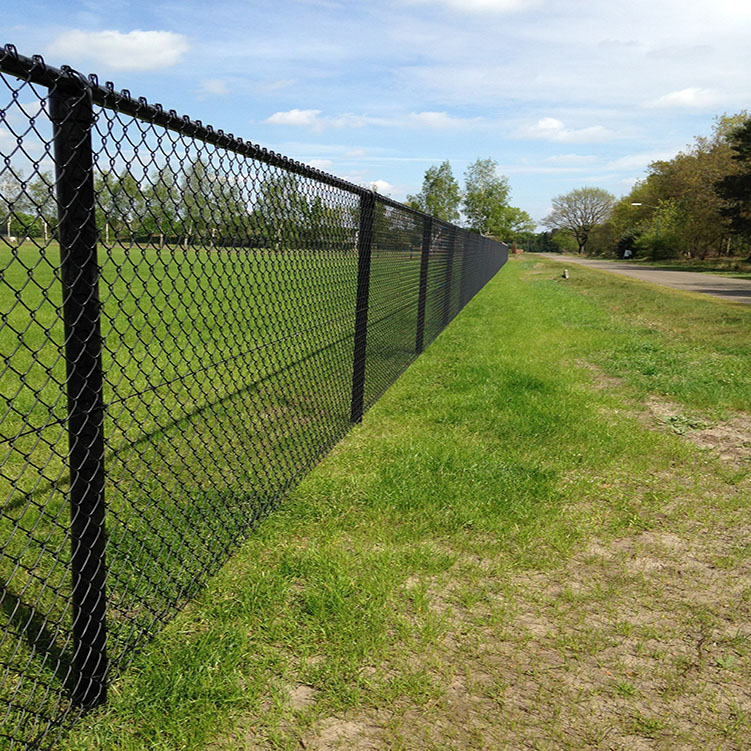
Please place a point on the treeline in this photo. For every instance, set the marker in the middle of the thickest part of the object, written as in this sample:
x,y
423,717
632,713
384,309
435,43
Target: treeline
x,y
203,206
696,205
198,206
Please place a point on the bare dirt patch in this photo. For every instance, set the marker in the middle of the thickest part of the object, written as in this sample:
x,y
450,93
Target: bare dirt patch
x,y
729,440
600,379
335,733
302,696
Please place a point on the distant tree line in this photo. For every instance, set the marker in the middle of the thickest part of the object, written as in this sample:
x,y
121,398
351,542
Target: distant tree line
x,y
696,205
198,206
202,206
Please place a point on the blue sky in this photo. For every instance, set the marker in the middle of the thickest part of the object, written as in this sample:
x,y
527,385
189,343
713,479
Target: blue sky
x,y
561,93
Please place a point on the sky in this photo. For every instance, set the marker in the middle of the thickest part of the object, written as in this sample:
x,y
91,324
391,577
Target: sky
x,y
561,93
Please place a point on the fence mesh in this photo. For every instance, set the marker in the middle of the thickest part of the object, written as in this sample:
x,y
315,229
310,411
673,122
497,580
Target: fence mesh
x,y
188,323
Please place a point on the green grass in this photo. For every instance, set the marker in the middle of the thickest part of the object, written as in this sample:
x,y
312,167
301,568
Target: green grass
x,y
227,374
493,446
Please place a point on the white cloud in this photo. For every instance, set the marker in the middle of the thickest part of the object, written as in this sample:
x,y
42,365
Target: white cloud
x,y
294,117
571,159
136,50
213,87
551,129
382,187
439,120
7,140
271,86
322,164
692,98
640,160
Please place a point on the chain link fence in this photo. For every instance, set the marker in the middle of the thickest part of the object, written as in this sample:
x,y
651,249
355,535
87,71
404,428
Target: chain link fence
x,y
188,323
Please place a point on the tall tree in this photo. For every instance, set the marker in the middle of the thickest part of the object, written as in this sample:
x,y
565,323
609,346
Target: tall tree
x,y
514,224
162,205
440,194
486,196
735,189
282,214
579,212
42,203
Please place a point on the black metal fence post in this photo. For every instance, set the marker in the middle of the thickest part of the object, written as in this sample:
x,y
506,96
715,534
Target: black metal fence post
x,y
427,236
72,118
449,270
364,243
468,254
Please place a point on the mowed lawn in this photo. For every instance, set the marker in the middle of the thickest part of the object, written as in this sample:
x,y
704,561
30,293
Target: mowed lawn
x,y
227,374
538,538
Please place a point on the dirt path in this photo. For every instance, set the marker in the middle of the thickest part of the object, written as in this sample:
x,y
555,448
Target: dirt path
x,y
729,288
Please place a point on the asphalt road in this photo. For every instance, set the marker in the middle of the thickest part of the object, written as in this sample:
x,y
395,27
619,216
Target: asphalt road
x,y
727,287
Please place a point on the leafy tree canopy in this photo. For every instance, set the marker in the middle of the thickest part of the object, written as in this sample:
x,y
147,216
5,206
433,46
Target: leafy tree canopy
x,y
735,189
486,195
579,212
440,194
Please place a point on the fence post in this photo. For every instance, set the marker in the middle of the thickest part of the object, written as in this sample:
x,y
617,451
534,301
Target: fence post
x,y
72,118
427,236
364,242
467,261
449,269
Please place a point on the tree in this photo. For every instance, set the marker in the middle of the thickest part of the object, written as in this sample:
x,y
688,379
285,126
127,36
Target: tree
x,y
282,214
28,207
486,197
162,205
513,224
579,212
679,195
735,189
440,194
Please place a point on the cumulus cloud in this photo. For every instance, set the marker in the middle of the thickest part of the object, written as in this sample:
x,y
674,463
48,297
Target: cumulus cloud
x,y
382,187
551,129
136,50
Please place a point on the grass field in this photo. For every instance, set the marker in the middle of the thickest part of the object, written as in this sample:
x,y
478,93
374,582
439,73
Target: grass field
x,y
530,542
227,375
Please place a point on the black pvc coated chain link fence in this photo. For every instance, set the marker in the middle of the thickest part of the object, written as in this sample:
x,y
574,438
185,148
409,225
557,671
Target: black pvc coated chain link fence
x,y
188,323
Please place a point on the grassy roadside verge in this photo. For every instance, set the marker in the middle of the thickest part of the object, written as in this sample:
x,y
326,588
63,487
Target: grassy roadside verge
x,y
417,590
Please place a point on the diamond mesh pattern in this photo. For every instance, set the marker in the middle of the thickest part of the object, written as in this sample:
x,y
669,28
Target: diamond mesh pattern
x,y
188,324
